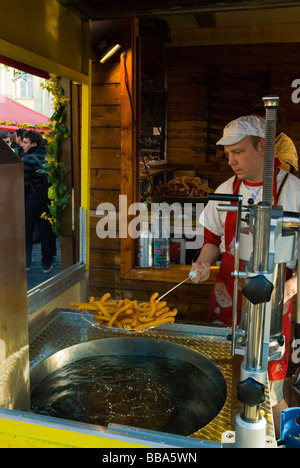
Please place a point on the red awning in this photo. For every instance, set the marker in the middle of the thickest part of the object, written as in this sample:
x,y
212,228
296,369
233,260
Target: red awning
x,y
25,68
14,115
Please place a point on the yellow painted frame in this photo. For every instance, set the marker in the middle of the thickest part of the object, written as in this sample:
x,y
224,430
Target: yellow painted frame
x,y
85,155
19,434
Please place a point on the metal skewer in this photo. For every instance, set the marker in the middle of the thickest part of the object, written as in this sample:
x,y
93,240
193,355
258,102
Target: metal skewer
x,y
192,275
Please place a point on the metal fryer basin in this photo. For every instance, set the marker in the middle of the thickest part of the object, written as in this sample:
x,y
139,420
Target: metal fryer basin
x,y
190,414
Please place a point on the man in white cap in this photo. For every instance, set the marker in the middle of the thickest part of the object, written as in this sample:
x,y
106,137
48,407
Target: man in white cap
x,y
244,144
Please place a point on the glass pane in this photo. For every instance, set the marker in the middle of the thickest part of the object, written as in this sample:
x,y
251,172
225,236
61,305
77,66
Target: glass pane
x,y
34,98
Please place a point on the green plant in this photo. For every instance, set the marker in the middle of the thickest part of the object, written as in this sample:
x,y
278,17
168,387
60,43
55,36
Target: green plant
x,y
58,192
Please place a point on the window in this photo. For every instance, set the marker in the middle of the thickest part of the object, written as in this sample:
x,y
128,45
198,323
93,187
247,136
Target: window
x,y
26,85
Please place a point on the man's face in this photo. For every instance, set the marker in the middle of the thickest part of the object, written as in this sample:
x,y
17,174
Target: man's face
x,y
7,141
246,161
26,144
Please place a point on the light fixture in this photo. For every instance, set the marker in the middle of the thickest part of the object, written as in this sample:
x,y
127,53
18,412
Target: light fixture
x,y
106,48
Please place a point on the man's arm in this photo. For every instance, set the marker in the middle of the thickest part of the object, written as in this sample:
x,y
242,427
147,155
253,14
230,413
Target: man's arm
x,y
290,288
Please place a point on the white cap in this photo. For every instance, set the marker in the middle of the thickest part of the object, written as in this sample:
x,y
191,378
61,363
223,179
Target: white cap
x,y
242,127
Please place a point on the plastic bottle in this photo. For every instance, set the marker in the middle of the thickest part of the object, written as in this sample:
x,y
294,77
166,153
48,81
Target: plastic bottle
x,y
161,241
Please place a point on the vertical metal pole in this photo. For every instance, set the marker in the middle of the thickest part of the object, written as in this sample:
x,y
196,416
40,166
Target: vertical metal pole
x,y
236,274
259,265
255,337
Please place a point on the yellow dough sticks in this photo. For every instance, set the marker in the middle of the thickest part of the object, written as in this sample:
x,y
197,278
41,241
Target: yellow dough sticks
x,y
128,314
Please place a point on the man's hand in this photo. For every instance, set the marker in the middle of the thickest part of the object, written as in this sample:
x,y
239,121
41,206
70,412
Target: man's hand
x,y
290,288
203,271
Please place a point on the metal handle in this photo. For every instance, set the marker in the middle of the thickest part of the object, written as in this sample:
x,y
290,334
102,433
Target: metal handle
x,y
224,197
236,273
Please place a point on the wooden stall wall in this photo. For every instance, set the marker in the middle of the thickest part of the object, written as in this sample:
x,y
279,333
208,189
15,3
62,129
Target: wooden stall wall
x,y
209,86
105,160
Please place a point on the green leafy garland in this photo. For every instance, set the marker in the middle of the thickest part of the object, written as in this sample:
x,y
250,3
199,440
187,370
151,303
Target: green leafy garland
x,y
58,192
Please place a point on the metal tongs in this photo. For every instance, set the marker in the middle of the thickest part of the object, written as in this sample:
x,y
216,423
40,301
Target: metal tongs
x,y
192,275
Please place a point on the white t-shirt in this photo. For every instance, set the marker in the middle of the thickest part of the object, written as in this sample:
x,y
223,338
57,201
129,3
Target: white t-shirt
x,y
214,220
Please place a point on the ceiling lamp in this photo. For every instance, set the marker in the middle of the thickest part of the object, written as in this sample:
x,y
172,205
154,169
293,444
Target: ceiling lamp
x,y
106,48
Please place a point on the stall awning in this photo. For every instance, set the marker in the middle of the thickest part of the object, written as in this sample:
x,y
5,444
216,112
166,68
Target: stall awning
x,y
14,115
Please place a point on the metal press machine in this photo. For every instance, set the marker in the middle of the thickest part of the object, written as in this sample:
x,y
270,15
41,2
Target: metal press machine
x,y
266,246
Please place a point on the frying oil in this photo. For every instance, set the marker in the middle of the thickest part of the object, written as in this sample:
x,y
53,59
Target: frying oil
x,y
154,393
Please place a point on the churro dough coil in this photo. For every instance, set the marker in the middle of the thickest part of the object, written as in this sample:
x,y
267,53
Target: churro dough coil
x,y
184,186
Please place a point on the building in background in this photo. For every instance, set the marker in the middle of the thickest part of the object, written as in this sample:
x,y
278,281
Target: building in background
x,y
25,89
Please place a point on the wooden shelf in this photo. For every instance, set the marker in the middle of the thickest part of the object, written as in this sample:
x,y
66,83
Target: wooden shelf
x,y
147,150
155,172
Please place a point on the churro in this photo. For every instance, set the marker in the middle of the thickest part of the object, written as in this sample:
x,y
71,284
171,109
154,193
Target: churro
x,y
184,186
128,314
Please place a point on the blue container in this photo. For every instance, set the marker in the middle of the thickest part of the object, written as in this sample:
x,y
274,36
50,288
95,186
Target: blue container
x,y
290,427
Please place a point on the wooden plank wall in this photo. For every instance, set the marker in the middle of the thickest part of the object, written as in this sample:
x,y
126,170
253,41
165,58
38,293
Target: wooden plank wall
x,y
105,158
209,86
238,76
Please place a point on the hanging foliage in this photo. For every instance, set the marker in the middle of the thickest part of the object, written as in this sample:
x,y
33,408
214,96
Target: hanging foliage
x,y
58,192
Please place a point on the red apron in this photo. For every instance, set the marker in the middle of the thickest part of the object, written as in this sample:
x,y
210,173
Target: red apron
x,y
277,369
221,299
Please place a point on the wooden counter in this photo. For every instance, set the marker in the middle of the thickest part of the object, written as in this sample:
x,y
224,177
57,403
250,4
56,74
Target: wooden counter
x,y
172,274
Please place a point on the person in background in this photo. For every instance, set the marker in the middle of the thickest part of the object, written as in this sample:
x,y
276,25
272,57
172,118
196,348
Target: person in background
x,y
36,199
6,136
285,150
17,145
244,144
